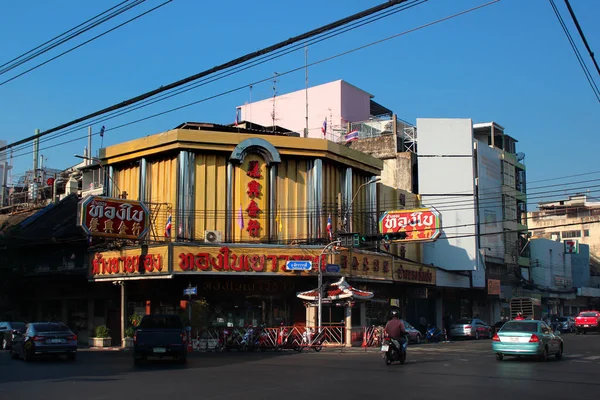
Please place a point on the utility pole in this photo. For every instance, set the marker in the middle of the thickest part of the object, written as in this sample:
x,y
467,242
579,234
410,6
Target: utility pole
x,y
320,299
306,91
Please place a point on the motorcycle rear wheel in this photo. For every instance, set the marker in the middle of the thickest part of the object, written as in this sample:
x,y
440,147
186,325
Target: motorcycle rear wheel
x,y
388,360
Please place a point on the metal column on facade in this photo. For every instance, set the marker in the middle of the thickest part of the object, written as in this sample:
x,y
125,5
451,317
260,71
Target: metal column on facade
x,y
346,197
143,186
273,201
229,206
186,194
109,181
372,207
317,198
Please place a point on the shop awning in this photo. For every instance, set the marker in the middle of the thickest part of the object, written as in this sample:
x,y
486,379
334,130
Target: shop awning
x,y
336,291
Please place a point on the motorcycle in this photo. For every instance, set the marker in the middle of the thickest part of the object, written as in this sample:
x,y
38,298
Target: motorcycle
x,y
433,334
391,353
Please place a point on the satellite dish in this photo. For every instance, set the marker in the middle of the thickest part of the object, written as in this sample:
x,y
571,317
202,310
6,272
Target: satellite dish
x,y
520,156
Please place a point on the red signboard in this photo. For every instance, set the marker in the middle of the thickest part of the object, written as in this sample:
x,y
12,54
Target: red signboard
x,y
420,225
110,217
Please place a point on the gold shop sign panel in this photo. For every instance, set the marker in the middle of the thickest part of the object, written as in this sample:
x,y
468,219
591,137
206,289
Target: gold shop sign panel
x,y
139,262
365,265
232,260
412,273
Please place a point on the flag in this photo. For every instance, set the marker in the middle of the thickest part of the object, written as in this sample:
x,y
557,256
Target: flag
x,y
102,131
240,218
236,119
168,227
351,136
324,127
386,245
329,227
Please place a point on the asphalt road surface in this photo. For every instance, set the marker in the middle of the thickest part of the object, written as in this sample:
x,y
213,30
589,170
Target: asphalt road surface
x,y
458,370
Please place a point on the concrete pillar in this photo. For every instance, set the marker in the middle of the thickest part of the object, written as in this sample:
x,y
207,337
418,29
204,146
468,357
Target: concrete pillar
x,y
90,316
348,322
123,310
64,312
311,316
363,314
439,311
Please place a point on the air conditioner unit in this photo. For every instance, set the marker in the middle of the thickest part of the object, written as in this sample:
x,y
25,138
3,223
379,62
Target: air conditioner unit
x,y
213,236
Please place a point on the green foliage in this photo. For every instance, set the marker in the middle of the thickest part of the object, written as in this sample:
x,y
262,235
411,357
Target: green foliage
x,y
129,332
135,320
200,314
102,331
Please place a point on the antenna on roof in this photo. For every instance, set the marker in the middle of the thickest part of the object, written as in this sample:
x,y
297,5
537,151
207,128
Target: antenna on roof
x,y
520,156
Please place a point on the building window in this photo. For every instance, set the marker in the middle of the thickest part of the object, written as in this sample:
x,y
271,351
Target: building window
x,y
586,232
571,234
554,235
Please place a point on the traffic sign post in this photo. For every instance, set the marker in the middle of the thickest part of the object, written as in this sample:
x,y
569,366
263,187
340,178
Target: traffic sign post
x,y
298,265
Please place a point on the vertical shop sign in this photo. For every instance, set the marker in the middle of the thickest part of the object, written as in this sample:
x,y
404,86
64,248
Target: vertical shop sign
x,y
254,192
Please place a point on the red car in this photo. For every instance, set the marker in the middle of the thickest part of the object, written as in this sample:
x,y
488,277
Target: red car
x,y
587,321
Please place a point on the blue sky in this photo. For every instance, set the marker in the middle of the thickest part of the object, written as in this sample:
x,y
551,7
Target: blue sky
x,y
509,62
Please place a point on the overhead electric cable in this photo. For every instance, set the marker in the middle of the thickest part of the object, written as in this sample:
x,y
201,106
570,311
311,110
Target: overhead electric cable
x,y
232,71
585,42
584,67
301,68
23,58
210,71
78,46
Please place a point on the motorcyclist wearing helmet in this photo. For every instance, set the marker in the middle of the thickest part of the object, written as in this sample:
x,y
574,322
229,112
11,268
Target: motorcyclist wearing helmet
x,y
395,330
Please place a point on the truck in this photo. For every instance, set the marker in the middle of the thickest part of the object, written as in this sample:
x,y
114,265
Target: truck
x,y
160,336
587,321
529,307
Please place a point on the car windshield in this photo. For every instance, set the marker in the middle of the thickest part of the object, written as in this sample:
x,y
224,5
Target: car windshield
x,y
587,314
161,322
17,325
520,327
407,325
462,321
50,327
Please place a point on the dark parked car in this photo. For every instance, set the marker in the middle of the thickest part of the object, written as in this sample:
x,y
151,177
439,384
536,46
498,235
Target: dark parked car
x,y
497,326
6,332
44,339
160,336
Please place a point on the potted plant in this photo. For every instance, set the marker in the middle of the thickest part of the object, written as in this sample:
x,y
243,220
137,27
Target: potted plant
x,y
101,338
128,339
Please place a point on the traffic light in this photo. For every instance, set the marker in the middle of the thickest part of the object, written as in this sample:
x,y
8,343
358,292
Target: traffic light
x,y
394,236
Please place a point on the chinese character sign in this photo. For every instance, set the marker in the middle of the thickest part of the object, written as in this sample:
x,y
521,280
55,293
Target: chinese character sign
x,y
419,225
252,196
110,217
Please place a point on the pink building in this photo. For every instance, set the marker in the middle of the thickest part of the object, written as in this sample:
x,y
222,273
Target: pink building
x,y
337,103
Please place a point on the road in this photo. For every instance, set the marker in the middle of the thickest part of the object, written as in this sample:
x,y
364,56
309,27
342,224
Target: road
x,y
465,370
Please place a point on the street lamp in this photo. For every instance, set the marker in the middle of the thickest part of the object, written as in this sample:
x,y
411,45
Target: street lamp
x,y
348,223
320,301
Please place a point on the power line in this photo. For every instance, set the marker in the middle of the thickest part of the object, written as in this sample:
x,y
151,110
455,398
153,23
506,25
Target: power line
x,y
76,47
41,49
234,70
587,46
250,84
584,67
210,71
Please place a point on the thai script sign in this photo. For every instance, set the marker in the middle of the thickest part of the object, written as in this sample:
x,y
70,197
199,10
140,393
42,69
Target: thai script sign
x,y
110,217
493,287
420,225
132,262
413,273
216,260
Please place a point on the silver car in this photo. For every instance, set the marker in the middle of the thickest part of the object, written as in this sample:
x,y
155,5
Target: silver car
x,y
413,334
44,339
470,328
